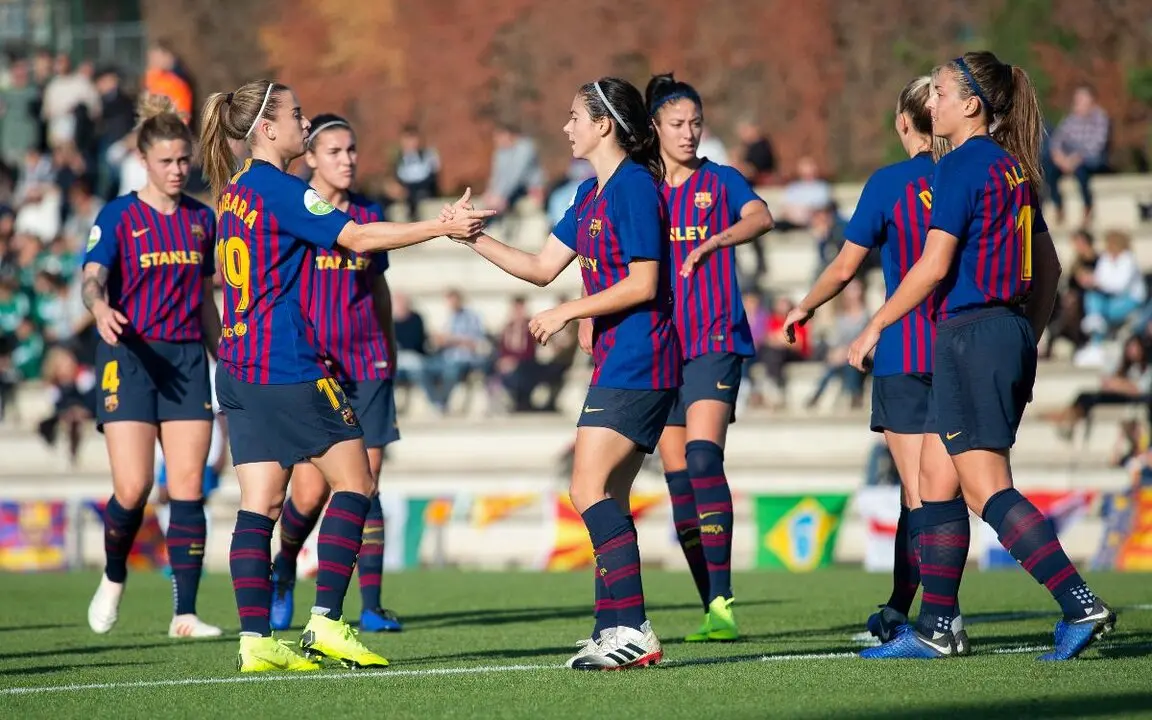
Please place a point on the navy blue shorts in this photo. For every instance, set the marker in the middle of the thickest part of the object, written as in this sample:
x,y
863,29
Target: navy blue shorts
x,y
639,415
985,367
712,376
900,403
374,402
287,424
152,382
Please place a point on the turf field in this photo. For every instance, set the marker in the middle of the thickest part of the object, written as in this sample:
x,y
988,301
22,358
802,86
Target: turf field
x,y
491,645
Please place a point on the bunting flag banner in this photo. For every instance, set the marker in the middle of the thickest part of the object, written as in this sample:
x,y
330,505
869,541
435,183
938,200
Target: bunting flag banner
x,y
571,548
149,552
1063,508
879,508
1135,554
797,532
32,536
494,508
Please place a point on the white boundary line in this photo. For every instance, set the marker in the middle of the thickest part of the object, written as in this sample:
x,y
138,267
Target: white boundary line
x,y
431,672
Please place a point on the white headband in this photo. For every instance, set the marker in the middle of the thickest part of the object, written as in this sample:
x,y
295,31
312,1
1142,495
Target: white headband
x,y
324,126
263,105
604,99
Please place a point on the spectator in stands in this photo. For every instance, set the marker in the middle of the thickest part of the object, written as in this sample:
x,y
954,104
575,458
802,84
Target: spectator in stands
x,y
461,349
850,319
755,157
84,206
125,159
803,197
417,170
411,342
163,78
712,147
1112,294
1129,384
564,347
1079,148
37,199
516,369
828,232
777,353
19,121
758,323
1069,316
28,352
73,389
516,171
67,90
564,194
117,118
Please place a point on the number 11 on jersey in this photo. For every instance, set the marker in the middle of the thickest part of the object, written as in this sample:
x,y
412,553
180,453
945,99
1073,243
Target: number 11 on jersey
x,y
1024,228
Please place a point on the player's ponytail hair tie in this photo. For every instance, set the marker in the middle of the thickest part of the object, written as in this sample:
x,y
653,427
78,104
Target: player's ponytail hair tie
x,y
615,115
263,106
228,98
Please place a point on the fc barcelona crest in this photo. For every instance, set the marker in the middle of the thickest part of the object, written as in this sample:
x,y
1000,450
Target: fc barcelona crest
x,y
198,232
348,416
594,227
703,200
111,402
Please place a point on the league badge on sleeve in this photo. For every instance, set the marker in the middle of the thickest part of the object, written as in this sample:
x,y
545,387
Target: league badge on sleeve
x,y
94,237
316,204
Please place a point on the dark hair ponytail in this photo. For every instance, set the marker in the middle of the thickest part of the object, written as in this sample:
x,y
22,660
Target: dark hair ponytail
x,y
619,101
663,89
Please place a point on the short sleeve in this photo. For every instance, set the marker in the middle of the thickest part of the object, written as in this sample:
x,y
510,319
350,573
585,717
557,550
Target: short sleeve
x,y
953,197
866,228
737,189
302,213
208,254
636,218
103,246
565,230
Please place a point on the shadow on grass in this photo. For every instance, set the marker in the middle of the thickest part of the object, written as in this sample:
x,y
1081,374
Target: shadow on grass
x,y
97,649
1111,704
57,626
505,616
49,669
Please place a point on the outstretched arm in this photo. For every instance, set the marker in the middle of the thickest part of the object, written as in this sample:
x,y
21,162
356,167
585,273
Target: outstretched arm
x,y
755,220
383,236
537,268
830,284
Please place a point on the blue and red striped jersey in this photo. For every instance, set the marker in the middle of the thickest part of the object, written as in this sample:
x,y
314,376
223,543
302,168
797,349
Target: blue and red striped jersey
x,y
981,196
270,223
892,214
156,264
636,349
709,307
338,291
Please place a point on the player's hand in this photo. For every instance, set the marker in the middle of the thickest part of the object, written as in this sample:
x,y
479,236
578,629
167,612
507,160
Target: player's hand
x,y
795,318
697,256
109,322
462,220
584,335
547,323
860,351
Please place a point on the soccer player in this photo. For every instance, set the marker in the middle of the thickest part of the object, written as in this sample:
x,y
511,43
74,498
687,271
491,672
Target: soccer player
x,y
282,405
148,283
994,267
616,228
712,209
893,215
350,308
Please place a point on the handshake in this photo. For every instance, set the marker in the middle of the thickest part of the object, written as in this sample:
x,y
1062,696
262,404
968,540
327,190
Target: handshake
x,y
464,223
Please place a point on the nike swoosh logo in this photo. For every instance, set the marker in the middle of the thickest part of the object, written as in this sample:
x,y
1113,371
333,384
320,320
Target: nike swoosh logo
x,y
592,410
945,649
709,514
952,436
207,406
138,233
721,386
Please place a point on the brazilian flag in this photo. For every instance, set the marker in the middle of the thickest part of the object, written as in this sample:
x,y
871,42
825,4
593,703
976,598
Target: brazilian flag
x,y
797,532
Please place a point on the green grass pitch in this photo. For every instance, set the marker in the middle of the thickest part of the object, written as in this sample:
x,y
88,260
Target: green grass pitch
x,y
492,645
